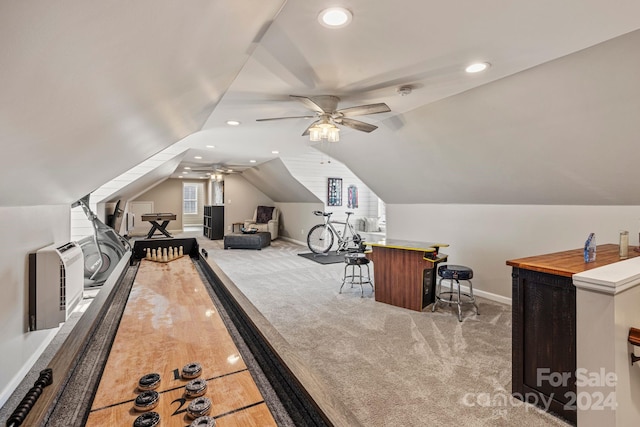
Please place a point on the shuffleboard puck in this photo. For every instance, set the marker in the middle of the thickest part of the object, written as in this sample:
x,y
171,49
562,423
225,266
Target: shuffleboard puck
x,y
149,382
203,422
149,419
195,388
191,370
199,407
146,401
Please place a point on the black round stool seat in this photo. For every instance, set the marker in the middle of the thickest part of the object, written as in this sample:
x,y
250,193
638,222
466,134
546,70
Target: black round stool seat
x,y
356,258
455,272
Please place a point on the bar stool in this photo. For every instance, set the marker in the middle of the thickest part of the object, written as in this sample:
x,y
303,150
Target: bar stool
x,y
455,273
354,260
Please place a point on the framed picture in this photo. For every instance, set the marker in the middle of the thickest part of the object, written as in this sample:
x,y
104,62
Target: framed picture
x,y
334,191
352,197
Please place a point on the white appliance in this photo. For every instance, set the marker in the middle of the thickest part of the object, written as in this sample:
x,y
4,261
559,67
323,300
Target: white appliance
x,y
56,284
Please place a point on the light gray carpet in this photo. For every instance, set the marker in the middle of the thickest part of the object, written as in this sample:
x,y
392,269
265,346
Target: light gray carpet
x,y
390,366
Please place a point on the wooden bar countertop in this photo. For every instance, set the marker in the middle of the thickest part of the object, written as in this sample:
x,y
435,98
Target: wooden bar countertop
x,y
568,263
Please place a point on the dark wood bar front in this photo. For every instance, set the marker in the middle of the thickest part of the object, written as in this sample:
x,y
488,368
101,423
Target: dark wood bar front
x,y
404,272
544,325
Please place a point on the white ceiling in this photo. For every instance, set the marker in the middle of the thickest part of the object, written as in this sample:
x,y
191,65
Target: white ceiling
x,y
112,84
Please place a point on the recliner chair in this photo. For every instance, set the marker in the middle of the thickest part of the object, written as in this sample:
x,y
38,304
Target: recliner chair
x,y
265,218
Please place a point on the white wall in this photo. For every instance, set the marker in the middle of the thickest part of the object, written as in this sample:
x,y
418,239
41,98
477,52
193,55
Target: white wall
x,y
23,230
240,200
312,170
297,219
484,237
607,301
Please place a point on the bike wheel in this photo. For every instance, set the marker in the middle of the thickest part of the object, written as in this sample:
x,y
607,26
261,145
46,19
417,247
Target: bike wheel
x,y
320,239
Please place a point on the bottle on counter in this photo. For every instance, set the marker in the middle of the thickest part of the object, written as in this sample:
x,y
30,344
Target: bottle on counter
x,y
590,248
624,244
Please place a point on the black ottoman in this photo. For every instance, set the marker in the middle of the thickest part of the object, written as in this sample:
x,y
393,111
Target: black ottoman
x,y
257,240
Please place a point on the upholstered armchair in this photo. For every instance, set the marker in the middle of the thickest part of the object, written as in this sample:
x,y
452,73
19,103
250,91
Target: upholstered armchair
x,y
265,218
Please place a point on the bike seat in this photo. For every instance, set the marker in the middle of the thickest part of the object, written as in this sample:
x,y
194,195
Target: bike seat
x,y
349,213
320,213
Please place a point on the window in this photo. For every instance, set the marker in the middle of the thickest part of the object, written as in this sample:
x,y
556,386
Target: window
x,y
190,199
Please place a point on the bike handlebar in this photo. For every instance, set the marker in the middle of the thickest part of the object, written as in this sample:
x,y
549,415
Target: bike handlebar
x,y
320,213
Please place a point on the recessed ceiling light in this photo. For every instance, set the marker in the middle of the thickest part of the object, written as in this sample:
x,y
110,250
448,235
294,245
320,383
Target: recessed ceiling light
x,y
275,152
335,17
477,67
187,167
179,176
186,173
252,161
211,146
233,122
197,157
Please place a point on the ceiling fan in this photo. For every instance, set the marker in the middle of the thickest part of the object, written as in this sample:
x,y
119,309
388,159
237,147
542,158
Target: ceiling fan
x,y
328,116
219,169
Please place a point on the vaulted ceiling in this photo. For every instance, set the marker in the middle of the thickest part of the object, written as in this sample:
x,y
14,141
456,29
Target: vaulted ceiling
x,y
91,89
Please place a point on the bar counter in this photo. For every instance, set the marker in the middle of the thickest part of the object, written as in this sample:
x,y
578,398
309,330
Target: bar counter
x,y
544,324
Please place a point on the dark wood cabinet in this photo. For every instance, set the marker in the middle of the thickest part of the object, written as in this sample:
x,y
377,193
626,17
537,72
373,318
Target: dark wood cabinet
x,y
544,326
544,340
213,226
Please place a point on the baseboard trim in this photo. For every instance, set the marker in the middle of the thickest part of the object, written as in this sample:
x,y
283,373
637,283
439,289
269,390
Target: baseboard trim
x,y
289,239
483,294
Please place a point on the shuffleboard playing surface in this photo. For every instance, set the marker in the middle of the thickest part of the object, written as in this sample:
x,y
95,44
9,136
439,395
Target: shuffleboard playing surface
x,y
170,321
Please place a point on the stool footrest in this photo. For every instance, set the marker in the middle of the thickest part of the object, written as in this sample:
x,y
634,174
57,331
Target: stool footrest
x,y
454,274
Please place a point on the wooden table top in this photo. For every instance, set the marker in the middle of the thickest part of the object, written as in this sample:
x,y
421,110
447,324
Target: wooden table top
x,y
568,263
160,216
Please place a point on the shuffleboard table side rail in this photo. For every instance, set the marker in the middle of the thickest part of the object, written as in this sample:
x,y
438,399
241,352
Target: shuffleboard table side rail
x,y
305,397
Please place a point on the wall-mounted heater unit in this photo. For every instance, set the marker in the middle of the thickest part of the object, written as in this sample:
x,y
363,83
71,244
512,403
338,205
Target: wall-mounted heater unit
x,y
56,284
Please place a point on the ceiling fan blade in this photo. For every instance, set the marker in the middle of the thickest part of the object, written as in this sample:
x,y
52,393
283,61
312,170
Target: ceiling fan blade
x,y
306,131
283,118
362,110
308,103
358,125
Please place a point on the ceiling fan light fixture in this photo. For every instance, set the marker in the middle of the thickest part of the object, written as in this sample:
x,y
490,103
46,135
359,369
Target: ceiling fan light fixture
x,y
335,17
333,134
314,134
325,130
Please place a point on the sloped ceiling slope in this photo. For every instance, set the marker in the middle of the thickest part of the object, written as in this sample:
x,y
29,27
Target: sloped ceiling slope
x,y
565,132
274,179
90,89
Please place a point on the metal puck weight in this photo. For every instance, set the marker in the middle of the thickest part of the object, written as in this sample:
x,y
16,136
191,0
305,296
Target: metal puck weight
x,y
205,421
191,370
149,382
199,407
195,388
149,419
146,401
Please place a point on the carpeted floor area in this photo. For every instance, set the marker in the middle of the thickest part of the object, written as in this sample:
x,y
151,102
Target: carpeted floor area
x,y
390,366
